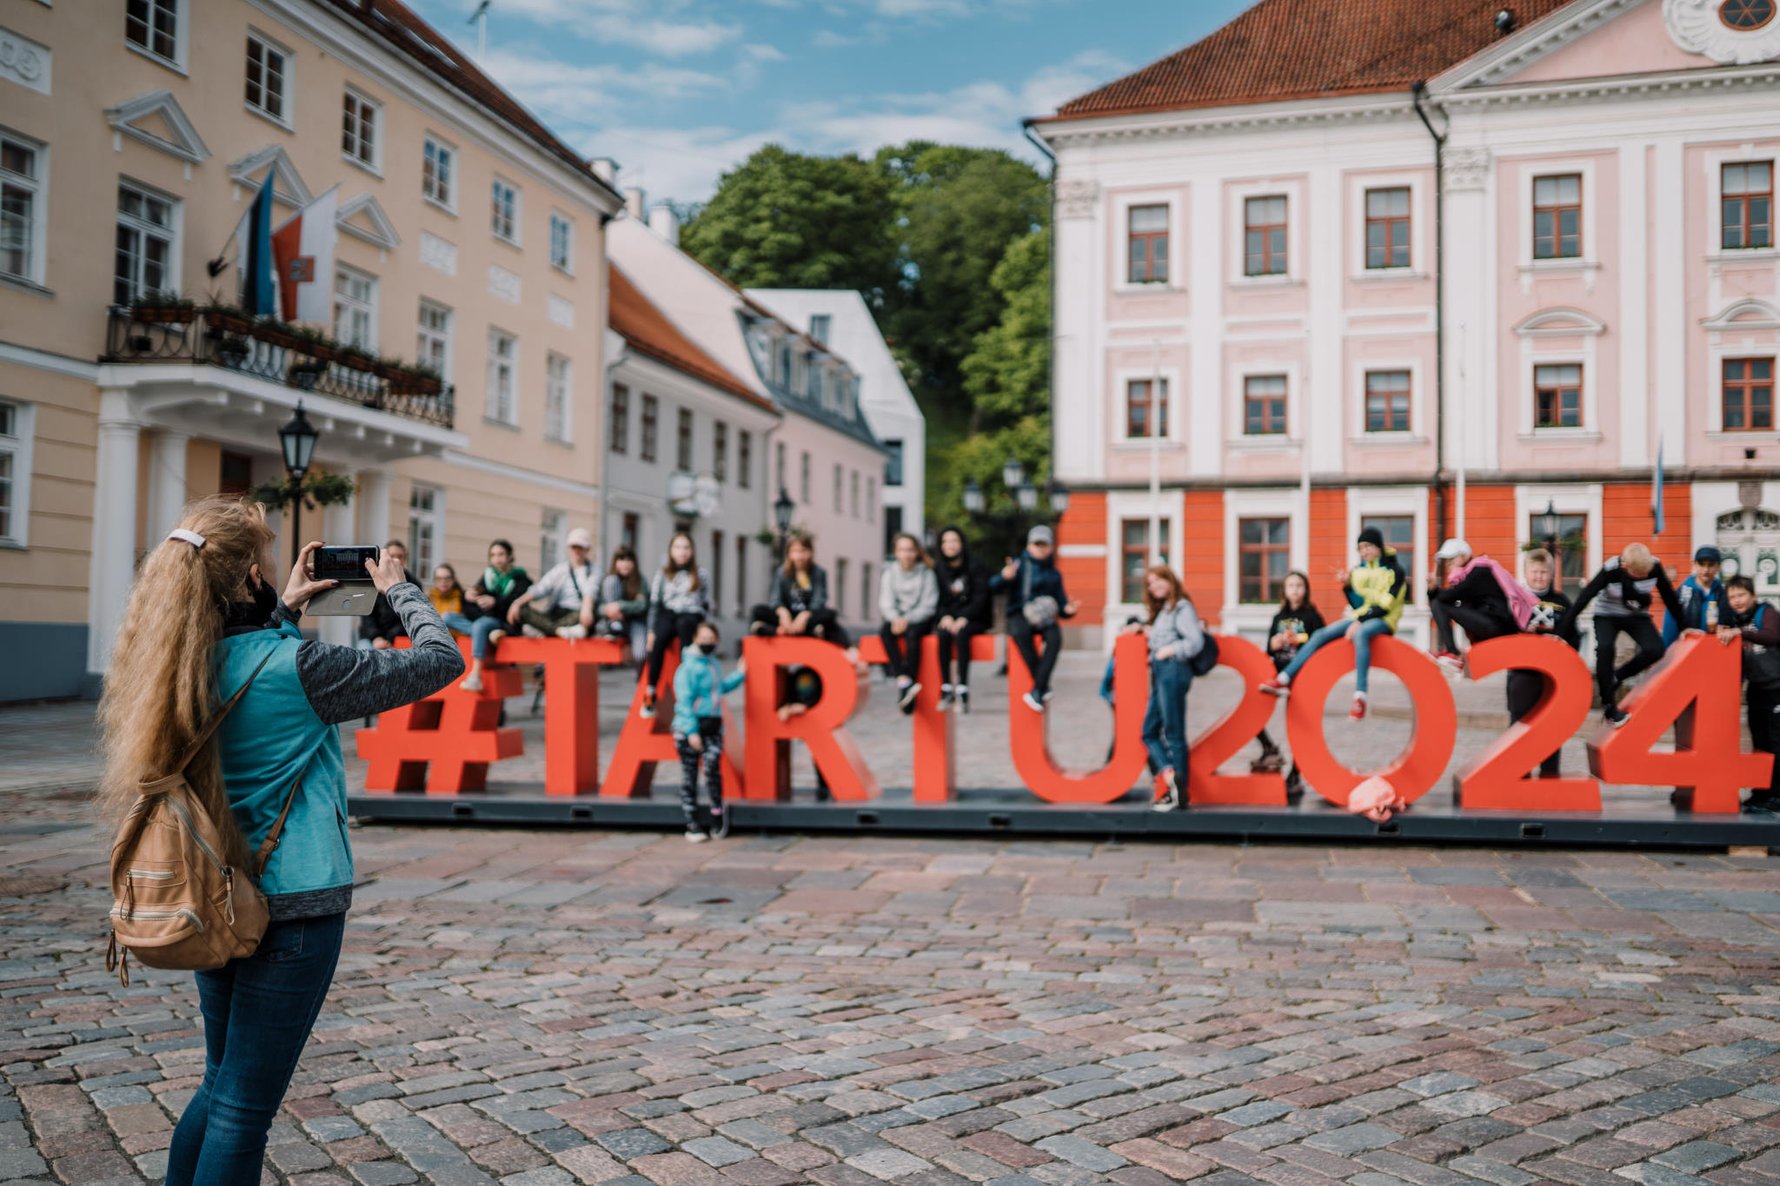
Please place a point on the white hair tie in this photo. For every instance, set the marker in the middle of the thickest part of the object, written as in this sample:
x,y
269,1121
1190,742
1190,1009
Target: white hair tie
x,y
184,536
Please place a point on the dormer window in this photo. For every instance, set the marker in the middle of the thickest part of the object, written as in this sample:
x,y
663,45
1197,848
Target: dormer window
x,y
814,369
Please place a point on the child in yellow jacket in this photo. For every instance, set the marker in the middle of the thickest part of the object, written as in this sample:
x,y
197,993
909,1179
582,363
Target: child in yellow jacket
x,y
1375,589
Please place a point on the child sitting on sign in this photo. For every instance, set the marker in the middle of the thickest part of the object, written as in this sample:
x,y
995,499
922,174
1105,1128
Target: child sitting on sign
x,y
699,688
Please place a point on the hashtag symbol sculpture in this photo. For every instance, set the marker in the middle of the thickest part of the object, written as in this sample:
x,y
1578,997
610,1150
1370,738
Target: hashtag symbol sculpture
x,y
445,743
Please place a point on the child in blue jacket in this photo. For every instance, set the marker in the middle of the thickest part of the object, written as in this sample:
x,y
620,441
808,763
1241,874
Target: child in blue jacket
x,y
699,688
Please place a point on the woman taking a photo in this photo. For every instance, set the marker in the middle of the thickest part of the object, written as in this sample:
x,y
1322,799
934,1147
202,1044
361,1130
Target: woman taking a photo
x,y
499,586
679,599
203,623
1175,637
963,614
908,597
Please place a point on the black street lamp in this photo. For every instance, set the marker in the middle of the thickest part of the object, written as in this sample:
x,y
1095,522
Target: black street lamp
x,y
973,497
297,439
1547,527
783,509
1012,473
1059,498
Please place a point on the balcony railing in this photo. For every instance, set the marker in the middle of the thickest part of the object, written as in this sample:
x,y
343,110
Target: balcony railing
x,y
273,351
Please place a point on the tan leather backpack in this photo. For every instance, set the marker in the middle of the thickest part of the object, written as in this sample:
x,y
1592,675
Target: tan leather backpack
x,y
177,904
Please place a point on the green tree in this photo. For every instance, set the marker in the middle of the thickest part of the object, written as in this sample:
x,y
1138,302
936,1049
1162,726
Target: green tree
x,y
1007,374
789,220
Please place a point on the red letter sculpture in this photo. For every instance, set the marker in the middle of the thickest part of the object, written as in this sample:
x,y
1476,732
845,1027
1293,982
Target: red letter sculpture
x,y
571,705
1498,779
1218,744
823,728
935,771
1026,731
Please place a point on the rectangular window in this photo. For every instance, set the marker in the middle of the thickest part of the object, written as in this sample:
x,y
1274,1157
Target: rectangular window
x,y
1149,244
1747,205
720,451
1748,394
1557,217
1134,554
268,70
853,493
619,432
1387,401
803,482
838,506
865,588
15,473
438,173
744,459
1264,405
683,441
551,529
234,472
355,308
630,529
893,463
840,582
153,27
1146,408
741,574
892,529
813,378
779,465
503,212
1557,396
21,208
503,361
562,243
433,347
717,571
424,534
819,324
651,427
1569,547
1399,537
1264,556
145,244
558,385
871,499
1264,236
359,137
1387,228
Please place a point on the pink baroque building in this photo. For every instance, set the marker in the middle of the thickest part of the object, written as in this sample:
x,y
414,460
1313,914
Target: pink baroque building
x,y
1498,270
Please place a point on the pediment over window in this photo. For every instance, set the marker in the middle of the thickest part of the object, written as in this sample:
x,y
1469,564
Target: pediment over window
x,y
1748,313
363,218
287,185
157,120
1560,323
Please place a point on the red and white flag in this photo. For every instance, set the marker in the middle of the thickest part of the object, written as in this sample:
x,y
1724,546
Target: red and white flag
x,y
304,251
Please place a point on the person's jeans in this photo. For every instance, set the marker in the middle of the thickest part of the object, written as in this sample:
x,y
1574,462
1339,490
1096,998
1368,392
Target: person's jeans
x,y
459,623
548,621
669,628
1021,634
1334,632
1525,687
480,629
258,1012
1165,722
904,650
955,649
1607,632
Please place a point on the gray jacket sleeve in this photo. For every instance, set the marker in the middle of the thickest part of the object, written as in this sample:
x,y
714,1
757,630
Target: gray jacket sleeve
x,y
343,683
927,603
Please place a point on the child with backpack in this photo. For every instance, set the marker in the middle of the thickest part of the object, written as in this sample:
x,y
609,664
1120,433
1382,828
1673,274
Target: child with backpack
x,y
699,688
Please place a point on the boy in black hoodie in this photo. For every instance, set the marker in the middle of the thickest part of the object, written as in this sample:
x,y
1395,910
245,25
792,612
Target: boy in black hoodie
x,y
1526,686
963,614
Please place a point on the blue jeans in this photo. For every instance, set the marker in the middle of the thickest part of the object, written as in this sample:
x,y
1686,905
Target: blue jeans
x,y
258,1013
459,623
480,629
1165,723
1334,632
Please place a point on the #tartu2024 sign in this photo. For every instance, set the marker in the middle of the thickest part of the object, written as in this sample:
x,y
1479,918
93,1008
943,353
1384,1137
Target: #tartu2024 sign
x,y
445,745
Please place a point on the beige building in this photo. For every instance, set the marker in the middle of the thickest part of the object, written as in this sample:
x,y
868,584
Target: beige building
x,y
133,138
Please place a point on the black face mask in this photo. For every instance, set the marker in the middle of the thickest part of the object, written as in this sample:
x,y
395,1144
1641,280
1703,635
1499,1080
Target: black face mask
x,y
257,612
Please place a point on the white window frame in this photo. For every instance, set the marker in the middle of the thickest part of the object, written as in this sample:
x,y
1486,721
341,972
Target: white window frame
x,y
374,165
287,79
1238,413
181,39
518,212
1294,189
1122,380
559,388
434,518
1176,198
492,402
1398,502
1280,503
38,187
562,222
1718,348
1357,185
1574,498
17,445
353,304
447,151
1135,504
175,230
442,336
1715,160
1530,169
553,528
1358,368
1534,333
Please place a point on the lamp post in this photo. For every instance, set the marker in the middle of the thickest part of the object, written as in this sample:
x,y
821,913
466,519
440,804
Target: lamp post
x,y
297,440
1548,527
1025,494
783,509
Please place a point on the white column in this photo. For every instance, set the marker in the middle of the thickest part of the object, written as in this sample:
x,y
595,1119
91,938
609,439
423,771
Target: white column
x,y
1668,320
1322,418
373,506
1471,423
114,526
1635,235
1204,393
166,481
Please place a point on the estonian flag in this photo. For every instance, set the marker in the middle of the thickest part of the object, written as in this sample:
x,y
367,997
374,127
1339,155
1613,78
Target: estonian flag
x,y
253,251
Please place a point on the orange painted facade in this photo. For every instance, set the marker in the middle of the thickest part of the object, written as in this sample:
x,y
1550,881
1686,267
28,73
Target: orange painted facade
x,y
1202,539
1330,550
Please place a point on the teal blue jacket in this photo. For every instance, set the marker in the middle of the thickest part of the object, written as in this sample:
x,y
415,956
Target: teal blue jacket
x,y
699,687
286,730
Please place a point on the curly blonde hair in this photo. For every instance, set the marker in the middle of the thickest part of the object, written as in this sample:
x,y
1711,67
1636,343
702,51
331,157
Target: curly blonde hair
x,y
161,686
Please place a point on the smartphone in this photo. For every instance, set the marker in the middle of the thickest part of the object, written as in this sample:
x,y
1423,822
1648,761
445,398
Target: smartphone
x,y
343,563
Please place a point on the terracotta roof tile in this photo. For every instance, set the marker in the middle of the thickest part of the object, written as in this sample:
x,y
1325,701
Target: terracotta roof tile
x,y
1302,49
402,29
649,332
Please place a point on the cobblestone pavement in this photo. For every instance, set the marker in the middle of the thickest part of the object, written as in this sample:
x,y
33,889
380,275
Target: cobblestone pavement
x,y
536,1008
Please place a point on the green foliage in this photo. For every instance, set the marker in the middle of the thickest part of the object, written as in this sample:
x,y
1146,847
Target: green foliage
x,y
1007,374
980,456
787,220
318,490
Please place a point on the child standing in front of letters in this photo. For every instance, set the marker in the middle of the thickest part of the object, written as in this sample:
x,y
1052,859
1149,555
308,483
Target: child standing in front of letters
x,y
699,688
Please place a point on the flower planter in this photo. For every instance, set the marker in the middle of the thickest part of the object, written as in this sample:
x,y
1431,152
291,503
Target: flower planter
x,y
161,314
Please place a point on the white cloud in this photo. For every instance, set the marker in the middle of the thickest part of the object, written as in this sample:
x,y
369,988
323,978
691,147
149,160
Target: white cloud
x,y
564,94
678,163
624,22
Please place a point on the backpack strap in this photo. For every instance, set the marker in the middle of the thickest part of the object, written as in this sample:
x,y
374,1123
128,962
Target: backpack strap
x,y
270,844
210,726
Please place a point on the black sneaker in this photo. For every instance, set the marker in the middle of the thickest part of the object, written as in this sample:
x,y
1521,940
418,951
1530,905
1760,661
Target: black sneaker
x,y
945,697
906,699
1032,702
1614,715
720,820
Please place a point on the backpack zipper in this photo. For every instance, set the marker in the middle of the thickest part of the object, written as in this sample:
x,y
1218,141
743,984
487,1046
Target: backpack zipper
x,y
186,819
134,915
151,874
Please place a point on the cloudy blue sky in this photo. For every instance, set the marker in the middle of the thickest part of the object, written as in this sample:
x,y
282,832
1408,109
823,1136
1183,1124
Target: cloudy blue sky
x,y
680,90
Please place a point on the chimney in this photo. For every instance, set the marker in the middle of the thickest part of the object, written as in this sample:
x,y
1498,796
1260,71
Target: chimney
x,y
604,168
664,222
634,204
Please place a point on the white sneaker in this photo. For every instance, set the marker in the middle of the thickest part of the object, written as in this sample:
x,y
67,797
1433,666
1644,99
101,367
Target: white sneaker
x,y
577,631
1032,702
694,836
531,631
472,682
1170,800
